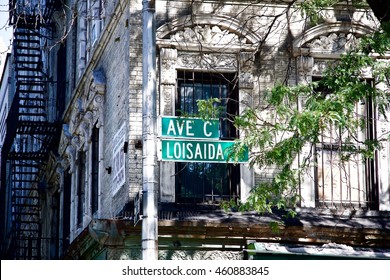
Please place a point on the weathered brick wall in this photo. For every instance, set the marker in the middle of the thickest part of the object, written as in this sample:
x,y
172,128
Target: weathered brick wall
x,y
115,63
135,99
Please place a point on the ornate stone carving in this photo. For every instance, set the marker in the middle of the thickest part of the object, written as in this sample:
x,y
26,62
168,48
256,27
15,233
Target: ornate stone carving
x,y
168,54
207,34
200,255
71,154
319,67
98,109
76,142
333,42
123,254
207,61
166,107
86,131
246,80
89,117
168,60
97,85
305,64
87,125
305,67
74,120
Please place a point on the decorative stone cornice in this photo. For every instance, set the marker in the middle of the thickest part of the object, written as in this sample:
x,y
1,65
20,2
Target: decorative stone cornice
x,y
210,61
327,40
207,33
97,86
222,22
200,255
333,43
89,110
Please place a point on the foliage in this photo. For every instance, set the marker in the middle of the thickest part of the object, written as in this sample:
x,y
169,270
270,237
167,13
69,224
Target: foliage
x,y
313,9
330,102
293,119
210,108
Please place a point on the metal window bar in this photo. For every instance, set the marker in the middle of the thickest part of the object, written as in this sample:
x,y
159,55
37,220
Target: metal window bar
x,y
355,185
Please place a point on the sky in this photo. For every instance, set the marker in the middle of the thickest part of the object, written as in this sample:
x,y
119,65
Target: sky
x,y
5,31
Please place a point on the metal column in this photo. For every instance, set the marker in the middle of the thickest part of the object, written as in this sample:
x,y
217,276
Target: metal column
x,y
149,150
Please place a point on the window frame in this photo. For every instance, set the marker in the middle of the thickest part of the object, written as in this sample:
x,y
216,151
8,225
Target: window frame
x,y
232,188
366,191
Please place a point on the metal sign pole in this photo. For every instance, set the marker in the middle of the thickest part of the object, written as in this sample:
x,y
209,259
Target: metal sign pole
x,y
149,150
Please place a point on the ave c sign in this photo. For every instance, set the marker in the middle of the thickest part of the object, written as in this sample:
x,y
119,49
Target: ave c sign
x,y
177,127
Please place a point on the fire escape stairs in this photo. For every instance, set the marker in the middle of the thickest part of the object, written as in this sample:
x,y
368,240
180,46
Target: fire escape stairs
x,y
33,136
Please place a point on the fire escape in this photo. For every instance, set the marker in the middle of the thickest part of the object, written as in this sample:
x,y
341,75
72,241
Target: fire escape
x,y
30,132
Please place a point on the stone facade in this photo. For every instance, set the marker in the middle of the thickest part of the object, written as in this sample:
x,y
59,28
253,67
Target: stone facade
x,y
262,43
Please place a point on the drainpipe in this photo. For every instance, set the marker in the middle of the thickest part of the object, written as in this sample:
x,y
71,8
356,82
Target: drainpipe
x,y
149,149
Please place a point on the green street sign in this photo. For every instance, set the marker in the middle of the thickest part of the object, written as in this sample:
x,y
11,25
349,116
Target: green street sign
x,y
178,127
198,151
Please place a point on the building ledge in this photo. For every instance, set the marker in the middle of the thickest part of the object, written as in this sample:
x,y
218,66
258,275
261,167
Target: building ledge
x,y
199,228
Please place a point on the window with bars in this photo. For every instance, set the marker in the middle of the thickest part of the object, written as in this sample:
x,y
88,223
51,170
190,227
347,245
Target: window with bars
x,y
342,178
208,182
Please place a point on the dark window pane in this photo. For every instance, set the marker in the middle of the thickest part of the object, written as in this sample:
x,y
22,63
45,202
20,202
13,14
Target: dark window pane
x,y
81,189
95,170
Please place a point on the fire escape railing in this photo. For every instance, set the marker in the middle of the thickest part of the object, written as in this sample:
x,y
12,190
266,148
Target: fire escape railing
x,y
30,135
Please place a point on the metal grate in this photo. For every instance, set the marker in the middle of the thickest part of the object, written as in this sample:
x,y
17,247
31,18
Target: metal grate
x,y
343,177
